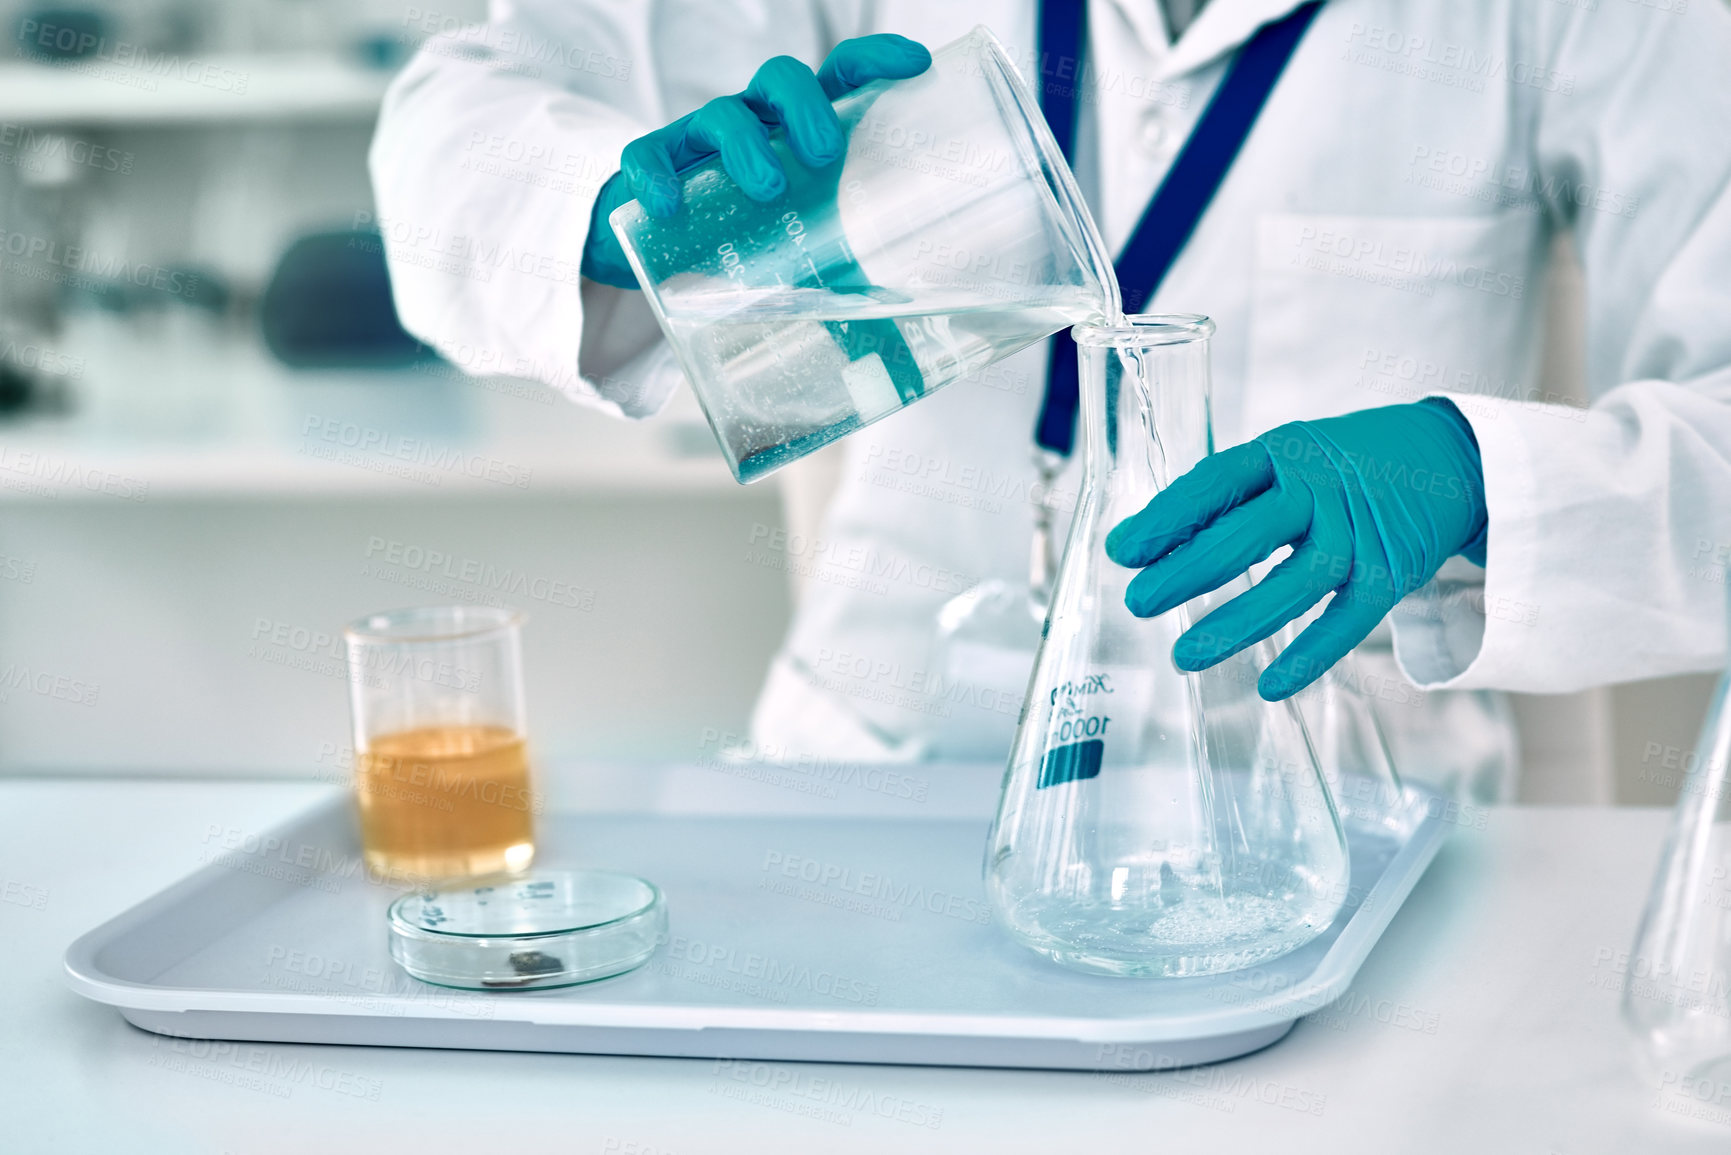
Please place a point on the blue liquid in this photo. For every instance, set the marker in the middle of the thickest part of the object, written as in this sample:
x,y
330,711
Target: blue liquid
x,y
767,461
793,370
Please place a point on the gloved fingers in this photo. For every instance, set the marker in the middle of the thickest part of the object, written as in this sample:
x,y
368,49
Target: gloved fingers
x,y
734,125
1305,453
1219,553
652,163
1287,592
884,56
1217,484
786,92
726,125
649,172
1346,621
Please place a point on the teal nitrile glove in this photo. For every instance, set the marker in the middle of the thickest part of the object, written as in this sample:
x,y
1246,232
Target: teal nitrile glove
x,y
783,92
1372,503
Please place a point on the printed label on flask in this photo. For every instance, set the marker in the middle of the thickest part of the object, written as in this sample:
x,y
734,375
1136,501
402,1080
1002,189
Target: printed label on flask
x,y
1071,763
1077,728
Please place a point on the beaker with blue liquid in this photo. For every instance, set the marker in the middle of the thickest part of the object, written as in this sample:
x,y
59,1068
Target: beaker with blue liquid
x,y
950,234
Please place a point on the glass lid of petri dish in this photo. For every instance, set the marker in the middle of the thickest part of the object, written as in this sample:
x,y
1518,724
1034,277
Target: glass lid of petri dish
x,y
542,928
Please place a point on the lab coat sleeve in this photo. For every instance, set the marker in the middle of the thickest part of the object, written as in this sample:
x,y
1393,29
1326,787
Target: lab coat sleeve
x,y
491,148
1609,526
494,143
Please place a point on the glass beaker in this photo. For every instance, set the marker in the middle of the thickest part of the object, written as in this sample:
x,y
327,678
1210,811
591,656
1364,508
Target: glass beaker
x,y
1153,822
1677,980
950,234
441,766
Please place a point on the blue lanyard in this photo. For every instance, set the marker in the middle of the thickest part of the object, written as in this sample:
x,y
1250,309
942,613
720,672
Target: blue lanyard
x,y
1183,196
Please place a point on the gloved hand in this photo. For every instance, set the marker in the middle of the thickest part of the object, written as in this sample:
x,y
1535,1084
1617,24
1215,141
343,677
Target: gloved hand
x,y
1372,503
783,92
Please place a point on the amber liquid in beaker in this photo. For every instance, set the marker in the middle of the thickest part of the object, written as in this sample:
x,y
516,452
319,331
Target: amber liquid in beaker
x,y
445,802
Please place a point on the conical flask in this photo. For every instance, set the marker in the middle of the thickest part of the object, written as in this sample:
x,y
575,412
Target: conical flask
x,y
1353,751
1153,822
1677,979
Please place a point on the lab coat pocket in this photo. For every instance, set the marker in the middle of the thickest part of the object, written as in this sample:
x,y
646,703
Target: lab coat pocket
x,y
1352,312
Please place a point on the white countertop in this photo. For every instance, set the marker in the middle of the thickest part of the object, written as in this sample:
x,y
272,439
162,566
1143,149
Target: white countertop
x,y
1485,1021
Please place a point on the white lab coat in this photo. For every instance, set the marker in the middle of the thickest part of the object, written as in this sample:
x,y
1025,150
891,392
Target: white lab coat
x,y
1382,237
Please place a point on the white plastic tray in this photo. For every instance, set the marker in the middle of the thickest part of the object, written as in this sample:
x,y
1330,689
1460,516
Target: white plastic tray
x,y
794,936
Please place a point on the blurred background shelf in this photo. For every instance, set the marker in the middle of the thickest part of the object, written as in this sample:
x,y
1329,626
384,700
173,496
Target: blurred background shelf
x,y
200,412
171,538
230,88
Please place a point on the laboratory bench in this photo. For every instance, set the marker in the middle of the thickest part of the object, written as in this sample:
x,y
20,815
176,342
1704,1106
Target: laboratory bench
x,y
1484,1021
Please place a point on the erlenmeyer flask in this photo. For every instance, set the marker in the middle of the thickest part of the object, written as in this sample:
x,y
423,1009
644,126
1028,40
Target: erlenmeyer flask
x,y
1677,992
1153,822
1352,751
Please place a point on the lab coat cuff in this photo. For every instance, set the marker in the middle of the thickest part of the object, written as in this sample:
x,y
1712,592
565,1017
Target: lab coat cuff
x,y
593,308
642,386
1460,632
621,363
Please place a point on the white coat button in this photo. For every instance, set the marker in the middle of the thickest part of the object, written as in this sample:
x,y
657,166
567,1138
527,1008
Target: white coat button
x,y
1151,134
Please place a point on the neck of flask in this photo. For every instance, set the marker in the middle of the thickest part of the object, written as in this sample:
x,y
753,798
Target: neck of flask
x,y
1145,405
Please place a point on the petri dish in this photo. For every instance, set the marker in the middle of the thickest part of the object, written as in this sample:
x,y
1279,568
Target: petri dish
x,y
542,928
